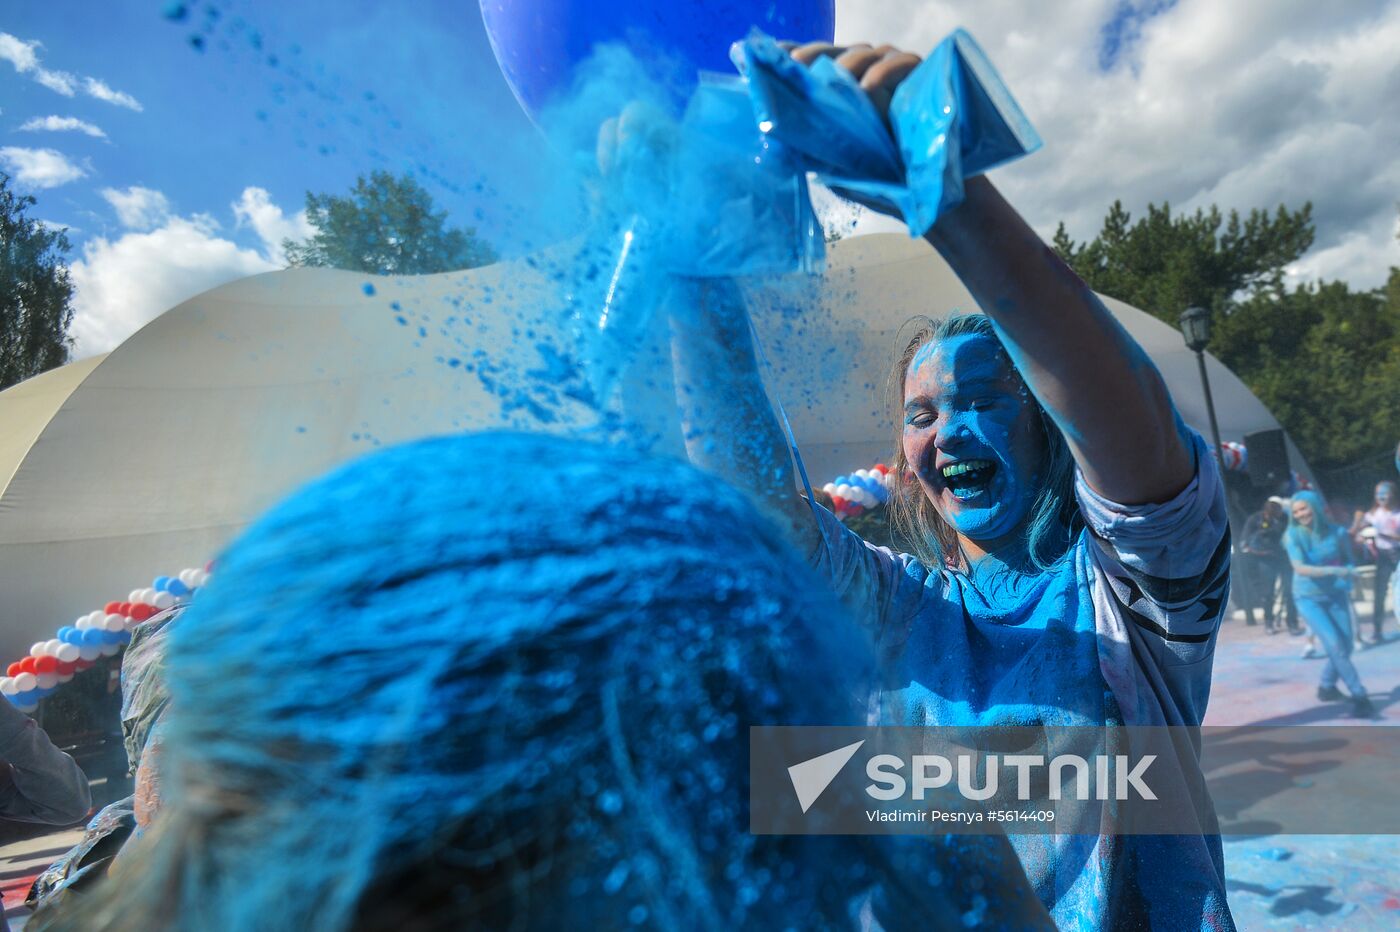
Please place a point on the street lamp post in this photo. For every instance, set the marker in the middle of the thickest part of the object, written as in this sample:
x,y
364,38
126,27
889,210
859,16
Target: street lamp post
x,y
1195,328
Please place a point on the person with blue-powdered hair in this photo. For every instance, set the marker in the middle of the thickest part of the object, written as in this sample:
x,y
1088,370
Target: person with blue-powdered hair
x,y
1070,549
1323,567
401,705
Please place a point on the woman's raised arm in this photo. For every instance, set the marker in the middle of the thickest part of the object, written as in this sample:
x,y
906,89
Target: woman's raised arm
x,y
1094,380
1091,376
729,426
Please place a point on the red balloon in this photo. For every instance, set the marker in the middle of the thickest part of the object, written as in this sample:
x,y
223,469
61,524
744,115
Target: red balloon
x,y
14,669
45,664
124,608
142,612
113,608
66,668
27,665
881,467
81,665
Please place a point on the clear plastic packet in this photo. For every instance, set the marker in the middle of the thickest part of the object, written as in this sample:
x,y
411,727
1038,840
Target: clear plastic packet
x,y
951,119
740,204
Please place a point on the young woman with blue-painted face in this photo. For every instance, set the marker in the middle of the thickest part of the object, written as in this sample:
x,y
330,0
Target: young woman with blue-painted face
x,y
1070,545
1323,567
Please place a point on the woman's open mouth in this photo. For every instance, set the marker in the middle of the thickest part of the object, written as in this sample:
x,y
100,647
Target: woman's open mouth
x,y
969,478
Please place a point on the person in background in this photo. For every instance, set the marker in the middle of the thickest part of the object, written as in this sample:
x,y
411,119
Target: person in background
x,y
1323,566
38,782
1383,544
145,700
1266,564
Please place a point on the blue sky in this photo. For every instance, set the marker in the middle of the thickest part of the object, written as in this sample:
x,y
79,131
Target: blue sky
x,y
283,99
217,118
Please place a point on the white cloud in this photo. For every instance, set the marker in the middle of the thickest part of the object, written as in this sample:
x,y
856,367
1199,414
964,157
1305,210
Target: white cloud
x,y
58,124
39,168
19,53
138,208
120,285
101,91
1238,104
60,82
24,55
1355,257
254,208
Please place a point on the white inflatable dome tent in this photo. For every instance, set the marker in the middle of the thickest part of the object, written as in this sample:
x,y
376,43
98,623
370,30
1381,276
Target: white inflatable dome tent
x,y
120,468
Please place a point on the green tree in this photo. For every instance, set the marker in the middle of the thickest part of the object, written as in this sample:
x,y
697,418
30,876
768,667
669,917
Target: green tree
x,y
386,226
1325,359
1164,263
36,294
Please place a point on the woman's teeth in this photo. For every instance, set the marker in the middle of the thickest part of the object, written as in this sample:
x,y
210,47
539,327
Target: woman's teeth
x,y
969,478
957,469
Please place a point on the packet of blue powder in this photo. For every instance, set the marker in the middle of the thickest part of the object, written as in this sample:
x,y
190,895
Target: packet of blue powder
x,y
950,119
739,199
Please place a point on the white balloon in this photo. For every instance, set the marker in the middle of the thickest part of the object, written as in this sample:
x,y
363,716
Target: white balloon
x,y
829,488
27,709
108,650
114,622
65,677
148,595
89,652
25,682
163,600
863,473
47,680
134,596
68,653
7,686
51,647
202,578
37,650
95,618
83,623
189,575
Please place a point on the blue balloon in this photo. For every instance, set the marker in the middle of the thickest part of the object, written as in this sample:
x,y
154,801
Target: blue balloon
x,y
123,637
74,636
37,694
92,637
161,583
63,632
175,587
539,42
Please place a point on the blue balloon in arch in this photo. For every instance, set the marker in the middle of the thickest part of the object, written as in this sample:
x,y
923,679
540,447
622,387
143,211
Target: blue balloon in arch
x,y
538,42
